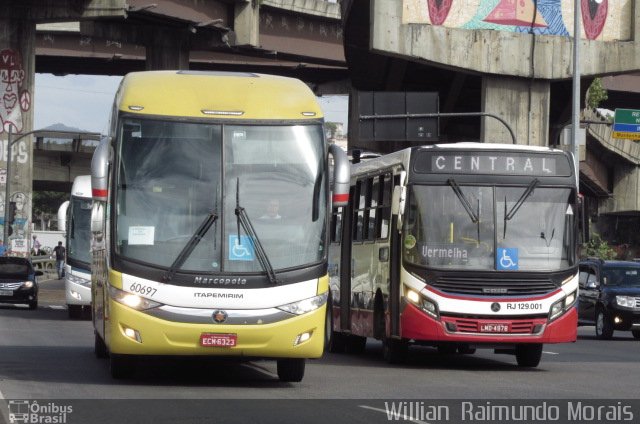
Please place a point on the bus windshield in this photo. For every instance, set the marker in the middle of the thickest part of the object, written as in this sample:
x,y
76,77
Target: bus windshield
x,y
80,230
489,228
173,175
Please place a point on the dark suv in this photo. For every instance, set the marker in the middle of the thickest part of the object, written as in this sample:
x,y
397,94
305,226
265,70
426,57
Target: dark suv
x,y
609,296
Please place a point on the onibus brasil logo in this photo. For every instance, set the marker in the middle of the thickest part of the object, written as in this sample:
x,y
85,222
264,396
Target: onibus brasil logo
x,y
32,412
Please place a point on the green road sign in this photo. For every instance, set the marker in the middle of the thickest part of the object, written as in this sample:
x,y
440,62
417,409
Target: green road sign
x,y
626,124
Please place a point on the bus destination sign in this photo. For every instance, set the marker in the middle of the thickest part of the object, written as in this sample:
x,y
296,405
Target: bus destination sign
x,y
490,163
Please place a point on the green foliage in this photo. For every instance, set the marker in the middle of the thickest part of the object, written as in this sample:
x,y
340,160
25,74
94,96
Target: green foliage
x,y
596,93
46,204
331,128
596,247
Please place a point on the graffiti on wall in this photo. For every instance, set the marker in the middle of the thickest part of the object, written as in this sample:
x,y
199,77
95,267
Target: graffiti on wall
x,y
602,20
15,99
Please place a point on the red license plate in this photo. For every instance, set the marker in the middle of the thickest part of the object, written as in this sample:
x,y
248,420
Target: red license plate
x,y
218,340
490,327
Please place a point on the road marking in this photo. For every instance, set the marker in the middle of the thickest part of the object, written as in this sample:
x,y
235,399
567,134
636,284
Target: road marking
x,y
405,417
550,353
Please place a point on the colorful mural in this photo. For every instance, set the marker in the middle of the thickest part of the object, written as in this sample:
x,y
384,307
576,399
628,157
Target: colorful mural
x,y
602,20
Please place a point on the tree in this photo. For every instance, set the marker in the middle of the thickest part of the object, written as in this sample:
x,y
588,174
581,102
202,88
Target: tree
x,y
46,204
330,128
596,247
596,93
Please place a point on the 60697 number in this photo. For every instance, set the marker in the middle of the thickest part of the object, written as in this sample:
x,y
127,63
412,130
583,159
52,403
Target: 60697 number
x,y
142,289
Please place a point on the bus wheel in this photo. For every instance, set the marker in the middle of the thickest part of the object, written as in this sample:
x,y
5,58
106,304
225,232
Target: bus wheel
x,y
99,348
75,311
356,344
636,334
394,351
334,341
121,366
291,369
528,355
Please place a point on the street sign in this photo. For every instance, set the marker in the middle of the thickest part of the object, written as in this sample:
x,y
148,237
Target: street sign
x,y
626,124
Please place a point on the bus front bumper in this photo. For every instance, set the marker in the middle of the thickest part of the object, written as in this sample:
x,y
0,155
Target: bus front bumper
x,y
417,325
138,333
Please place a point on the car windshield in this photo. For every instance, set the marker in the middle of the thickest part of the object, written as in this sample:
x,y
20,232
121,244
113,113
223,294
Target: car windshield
x,y
621,276
13,268
489,228
173,175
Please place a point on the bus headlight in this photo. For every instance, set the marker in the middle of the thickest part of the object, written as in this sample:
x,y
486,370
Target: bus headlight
x,y
306,305
132,300
562,305
422,302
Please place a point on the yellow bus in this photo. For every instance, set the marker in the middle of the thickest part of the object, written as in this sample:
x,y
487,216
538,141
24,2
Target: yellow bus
x,y
211,198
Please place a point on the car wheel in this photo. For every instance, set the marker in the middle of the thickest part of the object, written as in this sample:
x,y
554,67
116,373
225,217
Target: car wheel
x,y
33,304
291,370
604,326
528,355
636,334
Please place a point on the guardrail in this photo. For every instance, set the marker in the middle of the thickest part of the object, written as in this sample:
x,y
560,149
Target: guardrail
x,y
46,264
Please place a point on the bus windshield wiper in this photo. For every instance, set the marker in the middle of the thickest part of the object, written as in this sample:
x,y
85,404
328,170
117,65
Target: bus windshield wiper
x,y
512,212
261,254
463,199
186,251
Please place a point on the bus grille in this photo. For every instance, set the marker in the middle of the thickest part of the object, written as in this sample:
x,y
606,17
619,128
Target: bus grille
x,y
474,325
492,287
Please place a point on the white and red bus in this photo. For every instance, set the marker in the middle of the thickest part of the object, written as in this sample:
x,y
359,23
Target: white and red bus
x,y
457,246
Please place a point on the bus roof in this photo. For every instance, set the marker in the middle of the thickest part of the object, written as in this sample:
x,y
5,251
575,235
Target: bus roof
x,y
219,95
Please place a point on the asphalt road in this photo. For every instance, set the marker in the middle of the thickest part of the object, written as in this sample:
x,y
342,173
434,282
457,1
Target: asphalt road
x,y
46,357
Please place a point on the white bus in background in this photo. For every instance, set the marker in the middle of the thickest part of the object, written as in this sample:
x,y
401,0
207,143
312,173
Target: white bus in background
x,y
77,269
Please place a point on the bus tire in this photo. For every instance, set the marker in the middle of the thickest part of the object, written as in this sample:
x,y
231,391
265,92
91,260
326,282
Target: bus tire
x,y
99,348
121,366
75,311
394,351
355,344
529,355
334,341
291,369
636,334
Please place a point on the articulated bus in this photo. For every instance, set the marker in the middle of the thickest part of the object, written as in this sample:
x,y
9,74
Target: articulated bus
x,y
210,217
457,246
77,268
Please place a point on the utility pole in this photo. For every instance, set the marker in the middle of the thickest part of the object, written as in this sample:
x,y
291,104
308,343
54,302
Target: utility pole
x,y
575,118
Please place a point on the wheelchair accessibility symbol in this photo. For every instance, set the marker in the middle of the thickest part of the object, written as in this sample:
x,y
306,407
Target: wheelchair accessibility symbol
x,y
241,250
507,259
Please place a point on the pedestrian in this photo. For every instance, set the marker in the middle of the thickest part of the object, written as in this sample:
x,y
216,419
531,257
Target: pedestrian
x,y
60,252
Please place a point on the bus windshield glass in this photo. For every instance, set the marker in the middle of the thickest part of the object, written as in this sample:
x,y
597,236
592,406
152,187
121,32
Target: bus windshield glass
x,y
489,228
80,230
173,175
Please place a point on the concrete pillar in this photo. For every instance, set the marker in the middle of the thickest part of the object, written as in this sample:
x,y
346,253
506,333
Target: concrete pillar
x,y
167,49
246,23
523,103
17,65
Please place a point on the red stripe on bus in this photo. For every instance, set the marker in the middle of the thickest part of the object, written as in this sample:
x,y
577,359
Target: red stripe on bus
x,y
99,193
341,197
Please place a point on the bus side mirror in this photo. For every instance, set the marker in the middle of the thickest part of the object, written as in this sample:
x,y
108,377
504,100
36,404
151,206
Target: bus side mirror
x,y
397,203
97,222
100,170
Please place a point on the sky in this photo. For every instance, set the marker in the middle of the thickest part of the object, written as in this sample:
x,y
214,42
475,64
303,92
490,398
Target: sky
x,y
84,102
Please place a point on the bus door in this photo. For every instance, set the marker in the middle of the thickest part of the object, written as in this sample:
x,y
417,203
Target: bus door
x,y
396,261
346,266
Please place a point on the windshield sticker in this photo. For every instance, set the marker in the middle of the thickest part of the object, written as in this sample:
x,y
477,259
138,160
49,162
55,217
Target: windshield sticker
x,y
140,235
507,259
241,250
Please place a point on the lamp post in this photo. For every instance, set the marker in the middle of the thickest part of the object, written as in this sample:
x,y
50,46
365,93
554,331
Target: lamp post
x,y
575,111
10,143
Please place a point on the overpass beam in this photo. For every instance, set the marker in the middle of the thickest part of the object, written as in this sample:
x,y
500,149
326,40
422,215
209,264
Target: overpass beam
x,y
17,63
167,50
523,103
